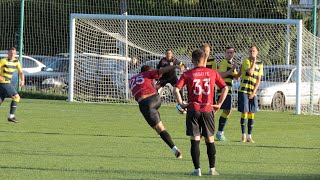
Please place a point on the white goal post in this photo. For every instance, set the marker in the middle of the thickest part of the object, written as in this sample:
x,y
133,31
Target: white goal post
x,y
83,41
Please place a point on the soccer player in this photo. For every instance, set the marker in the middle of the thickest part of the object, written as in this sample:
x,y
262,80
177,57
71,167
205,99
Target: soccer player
x,y
211,62
142,87
200,82
7,67
170,76
251,72
227,70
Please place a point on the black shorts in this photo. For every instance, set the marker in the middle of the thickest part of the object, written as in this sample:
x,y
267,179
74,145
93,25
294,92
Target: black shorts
x,y
149,109
7,90
163,81
245,104
227,103
200,123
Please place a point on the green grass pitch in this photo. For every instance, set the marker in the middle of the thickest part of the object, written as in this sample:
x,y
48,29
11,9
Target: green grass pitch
x,y
61,140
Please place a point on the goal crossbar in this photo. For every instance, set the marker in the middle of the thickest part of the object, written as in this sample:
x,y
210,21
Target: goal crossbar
x,y
186,19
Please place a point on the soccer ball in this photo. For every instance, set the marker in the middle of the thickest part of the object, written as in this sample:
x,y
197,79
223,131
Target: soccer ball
x,y
180,109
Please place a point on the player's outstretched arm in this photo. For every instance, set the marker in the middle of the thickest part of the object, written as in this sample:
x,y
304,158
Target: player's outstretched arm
x,y
167,69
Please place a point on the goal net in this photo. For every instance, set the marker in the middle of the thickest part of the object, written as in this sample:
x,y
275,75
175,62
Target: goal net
x,y
106,50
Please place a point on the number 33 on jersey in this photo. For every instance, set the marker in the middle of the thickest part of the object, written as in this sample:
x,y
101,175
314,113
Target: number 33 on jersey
x,y
200,82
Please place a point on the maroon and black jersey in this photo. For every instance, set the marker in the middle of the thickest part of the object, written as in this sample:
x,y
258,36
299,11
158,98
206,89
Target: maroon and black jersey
x,y
143,83
165,62
200,82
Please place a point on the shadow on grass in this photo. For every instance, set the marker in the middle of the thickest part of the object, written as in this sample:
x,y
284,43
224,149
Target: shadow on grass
x,y
119,157
94,135
129,174
238,143
252,145
286,147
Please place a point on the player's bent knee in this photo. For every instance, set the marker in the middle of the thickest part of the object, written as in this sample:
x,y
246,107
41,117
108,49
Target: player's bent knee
x,y
250,115
244,115
159,127
226,114
16,98
196,138
209,139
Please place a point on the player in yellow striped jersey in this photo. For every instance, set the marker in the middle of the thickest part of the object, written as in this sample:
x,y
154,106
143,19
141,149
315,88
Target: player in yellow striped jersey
x,y
7,67
211,62
227,70
251,72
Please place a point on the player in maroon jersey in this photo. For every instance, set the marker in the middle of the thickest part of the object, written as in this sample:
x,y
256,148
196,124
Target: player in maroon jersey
x,y
143,89
200,82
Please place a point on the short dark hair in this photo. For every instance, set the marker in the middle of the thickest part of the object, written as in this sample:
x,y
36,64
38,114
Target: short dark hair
x,y
197,54
230,47
168,50
145,68
252,46
12,49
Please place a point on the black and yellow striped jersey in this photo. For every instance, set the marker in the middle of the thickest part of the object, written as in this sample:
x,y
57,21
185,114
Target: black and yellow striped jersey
x,y
7,68
225,66
211,63
248,82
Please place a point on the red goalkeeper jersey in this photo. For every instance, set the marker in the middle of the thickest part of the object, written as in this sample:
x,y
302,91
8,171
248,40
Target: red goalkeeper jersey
x,y
200,82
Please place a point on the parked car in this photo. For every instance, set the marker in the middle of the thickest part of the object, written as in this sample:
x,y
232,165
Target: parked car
x,y
54,76
29,64
100,75
47,60
278,86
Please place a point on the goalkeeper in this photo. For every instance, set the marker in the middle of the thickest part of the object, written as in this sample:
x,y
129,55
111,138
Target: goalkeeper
x,y
170,76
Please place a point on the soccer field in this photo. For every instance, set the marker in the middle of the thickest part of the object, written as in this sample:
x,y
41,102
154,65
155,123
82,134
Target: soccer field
x,y
61,140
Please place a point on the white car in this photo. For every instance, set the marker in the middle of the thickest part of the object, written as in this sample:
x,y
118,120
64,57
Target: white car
x,y
29,64
278,86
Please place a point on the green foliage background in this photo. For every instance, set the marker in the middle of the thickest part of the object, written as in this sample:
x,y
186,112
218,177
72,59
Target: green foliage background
x,y
47,21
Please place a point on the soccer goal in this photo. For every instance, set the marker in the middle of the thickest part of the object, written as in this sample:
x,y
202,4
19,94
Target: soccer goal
x,y
106,50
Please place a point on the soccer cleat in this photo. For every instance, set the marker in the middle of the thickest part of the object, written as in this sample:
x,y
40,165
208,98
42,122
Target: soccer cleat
x,y
221,137
196,172
14,120
250,140
243,139
213,172
178,154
